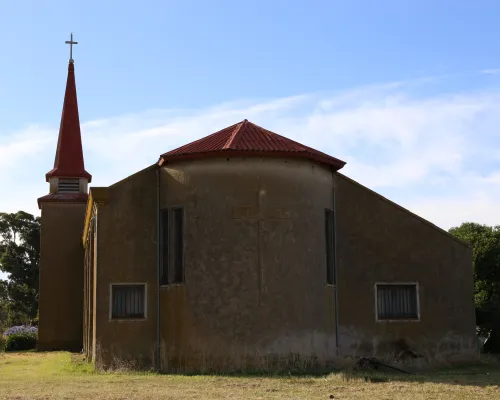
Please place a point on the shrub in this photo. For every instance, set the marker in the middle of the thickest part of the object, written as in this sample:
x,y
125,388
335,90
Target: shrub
x,y
20,341
21,329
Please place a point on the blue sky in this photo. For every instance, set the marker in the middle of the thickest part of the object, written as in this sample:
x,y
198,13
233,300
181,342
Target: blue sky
x,y
407,92
136,56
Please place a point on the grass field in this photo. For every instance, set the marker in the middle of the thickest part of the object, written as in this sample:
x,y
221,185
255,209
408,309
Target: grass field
x,y
65,376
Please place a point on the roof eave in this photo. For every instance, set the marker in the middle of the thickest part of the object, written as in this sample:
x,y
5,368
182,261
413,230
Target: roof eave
x,y
334,163
62,198
57,173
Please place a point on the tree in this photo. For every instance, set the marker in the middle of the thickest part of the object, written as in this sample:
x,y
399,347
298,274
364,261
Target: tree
x,y
485,241
19,258
4,308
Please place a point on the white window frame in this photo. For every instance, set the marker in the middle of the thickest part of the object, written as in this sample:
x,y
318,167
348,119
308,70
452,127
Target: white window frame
x,y
396,284
128,284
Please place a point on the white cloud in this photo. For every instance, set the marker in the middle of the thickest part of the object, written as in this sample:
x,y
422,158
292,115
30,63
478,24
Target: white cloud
x,y
449,211
30,142
492,71
433,155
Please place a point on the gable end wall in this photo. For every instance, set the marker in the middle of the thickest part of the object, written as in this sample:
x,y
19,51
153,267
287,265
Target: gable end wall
x,y
378,241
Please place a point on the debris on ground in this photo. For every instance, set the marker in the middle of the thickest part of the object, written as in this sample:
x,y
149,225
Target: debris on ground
x,y
405,352
372,363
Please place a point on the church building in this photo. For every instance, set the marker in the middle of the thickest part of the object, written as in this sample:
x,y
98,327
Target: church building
x,y
241,249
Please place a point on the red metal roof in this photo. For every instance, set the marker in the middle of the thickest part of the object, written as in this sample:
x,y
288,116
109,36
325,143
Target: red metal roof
x,y
247,139
69,154
63,197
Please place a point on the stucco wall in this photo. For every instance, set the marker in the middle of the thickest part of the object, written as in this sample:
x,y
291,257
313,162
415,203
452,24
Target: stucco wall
x,y
126,253
254,263
255,268
380,242
61,277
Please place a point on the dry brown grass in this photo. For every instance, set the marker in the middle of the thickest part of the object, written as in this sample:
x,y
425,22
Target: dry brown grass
x,y
65,376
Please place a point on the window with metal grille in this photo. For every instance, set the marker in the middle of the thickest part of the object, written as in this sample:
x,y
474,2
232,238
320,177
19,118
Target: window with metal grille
x,y
330,246
172,245
127,301
397,301
68,185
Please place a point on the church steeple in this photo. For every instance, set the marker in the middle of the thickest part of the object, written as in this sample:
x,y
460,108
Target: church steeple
x,y
69,162
60,303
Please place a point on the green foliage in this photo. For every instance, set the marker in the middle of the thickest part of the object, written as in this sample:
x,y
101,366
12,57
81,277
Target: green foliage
x,y
4,308
485,241
19,258
20,341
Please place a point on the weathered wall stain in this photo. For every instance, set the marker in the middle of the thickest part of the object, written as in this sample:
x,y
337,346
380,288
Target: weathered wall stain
x,y
255,267
126,252
254,250
379,242
61,277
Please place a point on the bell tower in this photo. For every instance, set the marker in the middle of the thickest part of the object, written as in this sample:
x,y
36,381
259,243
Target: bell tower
x,y
60,325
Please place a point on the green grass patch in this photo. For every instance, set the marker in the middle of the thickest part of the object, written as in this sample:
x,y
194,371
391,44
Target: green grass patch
x,y
37,375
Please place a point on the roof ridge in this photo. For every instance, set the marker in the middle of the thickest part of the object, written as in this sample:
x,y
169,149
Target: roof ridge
x,y
199,140
303,146
284,138
234,135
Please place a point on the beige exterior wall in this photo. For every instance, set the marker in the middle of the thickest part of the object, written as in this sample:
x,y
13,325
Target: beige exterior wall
x,y
378,241
255,267
125,252
61,277
255,273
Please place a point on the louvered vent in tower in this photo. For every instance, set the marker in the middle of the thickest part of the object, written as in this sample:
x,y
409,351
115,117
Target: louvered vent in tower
x,y
66,185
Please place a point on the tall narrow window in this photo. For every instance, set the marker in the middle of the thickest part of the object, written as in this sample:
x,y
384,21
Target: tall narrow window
x,y
330,247
164,253
127,301
172,246
398,301
177,245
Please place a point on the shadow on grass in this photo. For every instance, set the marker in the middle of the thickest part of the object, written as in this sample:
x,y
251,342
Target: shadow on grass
x,y
480,374
263,374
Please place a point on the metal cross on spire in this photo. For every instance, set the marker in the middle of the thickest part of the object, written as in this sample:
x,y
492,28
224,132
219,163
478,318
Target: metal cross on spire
x,y
71,43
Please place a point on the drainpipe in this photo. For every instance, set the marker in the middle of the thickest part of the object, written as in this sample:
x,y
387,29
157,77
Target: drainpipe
x,y
335,270
95,237
94,285
89,291
157,353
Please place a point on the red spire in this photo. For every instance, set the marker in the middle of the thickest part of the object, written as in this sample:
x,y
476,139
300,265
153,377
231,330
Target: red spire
x,y
69,154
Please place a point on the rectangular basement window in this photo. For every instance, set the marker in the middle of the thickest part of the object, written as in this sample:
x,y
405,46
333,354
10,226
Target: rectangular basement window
x,y
397,301
128,301
68,185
